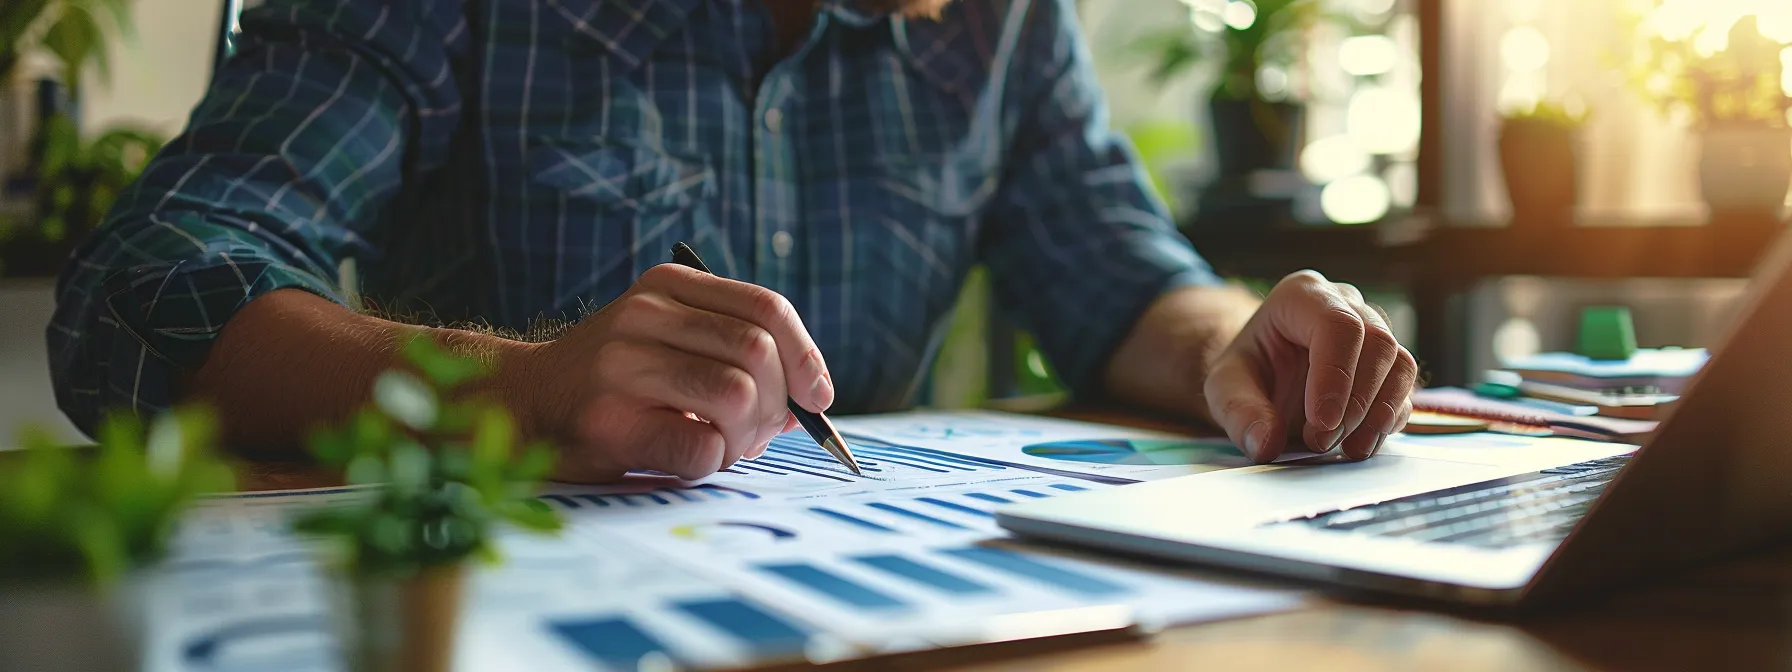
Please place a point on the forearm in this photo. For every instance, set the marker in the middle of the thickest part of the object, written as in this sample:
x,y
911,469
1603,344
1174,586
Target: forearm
x,y
1165,357
290,360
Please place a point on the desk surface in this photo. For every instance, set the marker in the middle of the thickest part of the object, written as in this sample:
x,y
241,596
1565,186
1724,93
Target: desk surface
x,y
1735,614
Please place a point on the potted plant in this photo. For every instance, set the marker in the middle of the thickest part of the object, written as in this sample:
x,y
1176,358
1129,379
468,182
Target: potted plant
x,y
1539,156
1255,127
77,181
72,180
80,526
442,473
1735,98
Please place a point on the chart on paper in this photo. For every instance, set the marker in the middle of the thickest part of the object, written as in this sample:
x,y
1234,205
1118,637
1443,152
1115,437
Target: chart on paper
x,y
915,563
1051,445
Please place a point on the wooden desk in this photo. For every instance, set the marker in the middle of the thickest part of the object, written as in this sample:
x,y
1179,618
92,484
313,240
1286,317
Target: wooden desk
x,y
1735,614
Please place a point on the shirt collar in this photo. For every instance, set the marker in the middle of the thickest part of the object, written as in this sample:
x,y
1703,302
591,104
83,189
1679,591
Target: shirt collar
x,y
856,13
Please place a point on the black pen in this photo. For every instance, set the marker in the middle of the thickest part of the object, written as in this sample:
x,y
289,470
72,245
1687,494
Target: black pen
x,y
816,424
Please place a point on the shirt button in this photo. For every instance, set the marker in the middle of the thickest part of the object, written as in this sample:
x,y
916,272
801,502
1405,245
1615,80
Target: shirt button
x,y
781,244
774,120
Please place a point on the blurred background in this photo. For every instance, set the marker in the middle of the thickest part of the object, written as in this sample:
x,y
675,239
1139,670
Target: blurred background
x,y
1483,169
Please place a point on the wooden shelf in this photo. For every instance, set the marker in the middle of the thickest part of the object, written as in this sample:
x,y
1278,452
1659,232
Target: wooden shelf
x,y
1433,264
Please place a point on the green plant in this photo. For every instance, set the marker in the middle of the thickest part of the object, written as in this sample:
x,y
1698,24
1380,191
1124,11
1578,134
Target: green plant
x,y
1547,113
67,515
1221,31
78,181
72,30
440,467
1682,74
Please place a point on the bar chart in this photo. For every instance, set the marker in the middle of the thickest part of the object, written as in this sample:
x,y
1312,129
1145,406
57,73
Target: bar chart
x,y
795,455
651,497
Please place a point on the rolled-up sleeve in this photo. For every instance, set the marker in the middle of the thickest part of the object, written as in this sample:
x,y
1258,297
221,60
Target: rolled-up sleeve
x,y
1077,244
282,172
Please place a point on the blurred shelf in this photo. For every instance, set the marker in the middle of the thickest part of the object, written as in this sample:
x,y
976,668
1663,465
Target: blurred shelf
x,y
1433,263
1413,250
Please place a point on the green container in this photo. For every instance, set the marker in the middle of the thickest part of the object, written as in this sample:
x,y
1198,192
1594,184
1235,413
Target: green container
x,y
1606,333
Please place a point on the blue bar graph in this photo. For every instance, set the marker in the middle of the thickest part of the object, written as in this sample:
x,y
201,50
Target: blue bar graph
x,y
852,520
1024,567
613,641
891,508
798,469
911,460
701,492
955,506
834,586
594,499
1029,493
927,575
562,500
993,499
723,491
763,632
1068,487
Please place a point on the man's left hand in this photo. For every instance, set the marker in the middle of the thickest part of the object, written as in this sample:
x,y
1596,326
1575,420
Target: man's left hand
x,y
1315,359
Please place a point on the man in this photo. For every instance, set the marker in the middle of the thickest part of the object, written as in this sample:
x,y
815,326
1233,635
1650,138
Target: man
x,y
846,161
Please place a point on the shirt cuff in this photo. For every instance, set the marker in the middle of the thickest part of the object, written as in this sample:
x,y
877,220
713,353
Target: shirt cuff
x,y
167,315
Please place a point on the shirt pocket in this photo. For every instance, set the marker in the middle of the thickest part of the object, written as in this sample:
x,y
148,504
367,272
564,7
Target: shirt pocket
x,y
621,176
621,206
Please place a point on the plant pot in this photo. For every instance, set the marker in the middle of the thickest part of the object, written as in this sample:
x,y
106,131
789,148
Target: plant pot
x,y
1745,171
1249,136
399,625
1541,164
70,626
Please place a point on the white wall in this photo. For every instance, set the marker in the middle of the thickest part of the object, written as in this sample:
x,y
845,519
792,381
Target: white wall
x,y
158,80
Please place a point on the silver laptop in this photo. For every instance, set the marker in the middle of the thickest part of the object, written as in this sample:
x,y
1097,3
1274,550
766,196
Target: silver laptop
x,y
1714,480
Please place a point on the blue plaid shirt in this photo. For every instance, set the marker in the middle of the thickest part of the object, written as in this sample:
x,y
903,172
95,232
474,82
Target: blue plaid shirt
x,y
511,160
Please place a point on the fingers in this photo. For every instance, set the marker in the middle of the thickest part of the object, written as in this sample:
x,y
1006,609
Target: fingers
x,y
675,444
1390,410
1379,352
658,318
805,372
658,376
790,423
1312,313
658,439
1237,401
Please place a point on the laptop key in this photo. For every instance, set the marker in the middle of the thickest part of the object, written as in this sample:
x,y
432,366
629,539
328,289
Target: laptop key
x,y
1528,508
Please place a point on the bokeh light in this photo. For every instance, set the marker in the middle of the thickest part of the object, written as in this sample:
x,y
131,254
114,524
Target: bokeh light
x,y
1707,23
1355,200
1365,55
1240,14
1383,120
1524,49
1403,184
1786,70
1330,159
1272,82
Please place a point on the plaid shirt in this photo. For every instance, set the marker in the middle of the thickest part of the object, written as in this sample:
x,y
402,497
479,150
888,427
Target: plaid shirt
x,y
511,160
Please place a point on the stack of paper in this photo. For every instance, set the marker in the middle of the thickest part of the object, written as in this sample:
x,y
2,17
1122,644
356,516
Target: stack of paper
x,y
785,557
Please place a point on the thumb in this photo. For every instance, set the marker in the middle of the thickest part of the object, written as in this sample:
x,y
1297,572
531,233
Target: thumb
x,y
1237,401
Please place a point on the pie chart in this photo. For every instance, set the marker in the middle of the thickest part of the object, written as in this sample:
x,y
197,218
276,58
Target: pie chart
x,y
1142,452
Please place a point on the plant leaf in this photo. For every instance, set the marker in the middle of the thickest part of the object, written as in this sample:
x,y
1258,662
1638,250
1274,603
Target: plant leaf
x,y
406,399
74,38
530,514
447,370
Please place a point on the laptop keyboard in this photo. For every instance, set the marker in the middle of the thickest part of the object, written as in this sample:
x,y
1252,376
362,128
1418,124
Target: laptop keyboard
x,y
1528,508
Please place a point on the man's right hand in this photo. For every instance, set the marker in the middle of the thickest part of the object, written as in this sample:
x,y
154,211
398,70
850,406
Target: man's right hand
x,y
685,373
